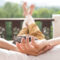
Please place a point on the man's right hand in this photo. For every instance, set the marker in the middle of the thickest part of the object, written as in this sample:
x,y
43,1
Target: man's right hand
x,y
32,48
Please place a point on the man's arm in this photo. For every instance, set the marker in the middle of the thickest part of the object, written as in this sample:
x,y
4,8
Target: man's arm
x,y
6,45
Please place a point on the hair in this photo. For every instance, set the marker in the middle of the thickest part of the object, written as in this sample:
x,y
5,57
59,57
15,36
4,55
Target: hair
x,y
18,39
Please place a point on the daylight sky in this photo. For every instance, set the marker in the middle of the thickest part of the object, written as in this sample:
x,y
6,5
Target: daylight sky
x,y
36,2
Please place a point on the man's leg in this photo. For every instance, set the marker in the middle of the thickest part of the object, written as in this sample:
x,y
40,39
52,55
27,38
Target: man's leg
x,y
24,29
24,26
33,28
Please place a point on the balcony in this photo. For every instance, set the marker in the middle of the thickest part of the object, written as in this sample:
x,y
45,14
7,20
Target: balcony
x,y
14,26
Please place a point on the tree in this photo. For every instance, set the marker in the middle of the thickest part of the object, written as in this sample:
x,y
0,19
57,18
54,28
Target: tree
x,y
12,10
43,13
2,13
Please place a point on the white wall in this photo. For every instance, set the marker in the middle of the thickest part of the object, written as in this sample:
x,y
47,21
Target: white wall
x,y
56,25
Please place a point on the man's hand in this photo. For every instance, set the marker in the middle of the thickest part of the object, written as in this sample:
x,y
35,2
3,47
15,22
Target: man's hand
x,y
45,49
32,48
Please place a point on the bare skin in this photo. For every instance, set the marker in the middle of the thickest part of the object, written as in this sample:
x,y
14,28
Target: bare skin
x,y
6,45
31,9
25,9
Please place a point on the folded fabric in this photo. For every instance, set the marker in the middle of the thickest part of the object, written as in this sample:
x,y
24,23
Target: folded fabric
x,y
53,54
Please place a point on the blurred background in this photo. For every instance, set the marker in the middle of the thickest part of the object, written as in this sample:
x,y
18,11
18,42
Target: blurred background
x,y
13,9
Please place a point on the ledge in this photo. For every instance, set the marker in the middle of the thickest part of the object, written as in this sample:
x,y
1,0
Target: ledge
x,y
38,19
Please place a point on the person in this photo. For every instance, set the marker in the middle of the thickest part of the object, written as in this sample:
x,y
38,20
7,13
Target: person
x,y
29,28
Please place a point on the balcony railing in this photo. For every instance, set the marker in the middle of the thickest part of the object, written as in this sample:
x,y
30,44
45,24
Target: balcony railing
x,y
9,27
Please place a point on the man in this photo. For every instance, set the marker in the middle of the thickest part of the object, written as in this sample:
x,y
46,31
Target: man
x,y
30,29
38,43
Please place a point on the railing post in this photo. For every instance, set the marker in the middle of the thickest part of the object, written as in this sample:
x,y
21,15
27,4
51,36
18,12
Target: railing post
x,y
56,25
2,29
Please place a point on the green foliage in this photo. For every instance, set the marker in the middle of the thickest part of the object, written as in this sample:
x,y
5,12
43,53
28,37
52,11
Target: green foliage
x,y
12,10
51,31
8,30
2,13
39,24
43,13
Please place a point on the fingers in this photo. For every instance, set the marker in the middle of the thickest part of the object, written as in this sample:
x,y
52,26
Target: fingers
x,y
50,47
27,43
31,49
19,47
23,44
36,46
34,43
29,46
45,49
26,48
23,47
